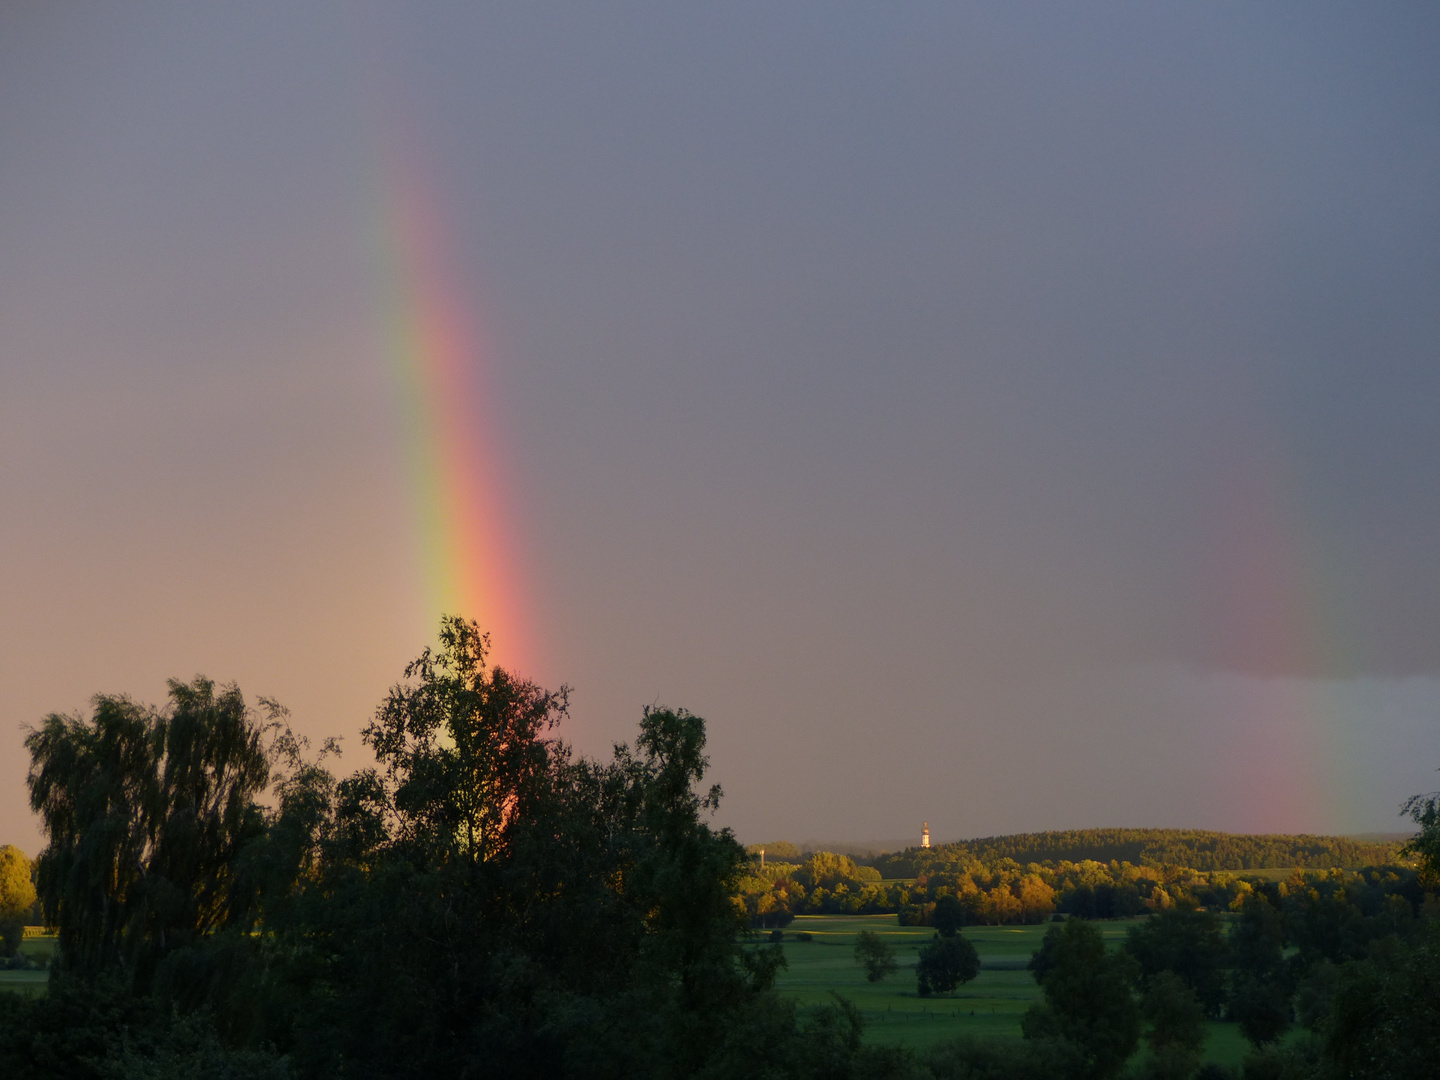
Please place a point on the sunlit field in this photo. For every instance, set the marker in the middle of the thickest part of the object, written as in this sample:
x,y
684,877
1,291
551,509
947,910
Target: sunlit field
x,y
989,1006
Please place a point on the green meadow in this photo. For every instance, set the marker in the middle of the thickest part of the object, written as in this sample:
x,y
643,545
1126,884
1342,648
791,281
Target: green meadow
x,y
989,1006
30,982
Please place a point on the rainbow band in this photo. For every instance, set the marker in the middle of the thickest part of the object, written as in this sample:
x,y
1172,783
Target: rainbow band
x,y
467,563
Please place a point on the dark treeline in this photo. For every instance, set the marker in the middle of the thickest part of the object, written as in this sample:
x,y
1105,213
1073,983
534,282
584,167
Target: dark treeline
x,y
1195,849
480,902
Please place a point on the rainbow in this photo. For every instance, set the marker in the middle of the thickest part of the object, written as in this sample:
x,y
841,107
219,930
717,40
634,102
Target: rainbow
x,y
469,565
1276,614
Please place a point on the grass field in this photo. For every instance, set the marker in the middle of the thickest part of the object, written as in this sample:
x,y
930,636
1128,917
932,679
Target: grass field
x,y
30,982
990,1006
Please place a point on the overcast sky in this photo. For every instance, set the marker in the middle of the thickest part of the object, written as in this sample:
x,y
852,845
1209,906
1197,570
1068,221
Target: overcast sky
x,y
1012,416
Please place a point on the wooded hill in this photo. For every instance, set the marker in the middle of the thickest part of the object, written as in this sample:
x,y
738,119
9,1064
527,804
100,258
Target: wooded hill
x,y
1192,848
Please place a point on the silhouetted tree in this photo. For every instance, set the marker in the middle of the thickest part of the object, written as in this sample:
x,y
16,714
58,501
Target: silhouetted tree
x,y
1188,943
147,813
1424,810
1385,1019
1177,1026
946,963
483,900
874,955
1260,989
948,916
1088,1001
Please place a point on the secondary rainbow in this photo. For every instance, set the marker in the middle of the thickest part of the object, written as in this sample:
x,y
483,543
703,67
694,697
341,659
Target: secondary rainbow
x,y
1280,623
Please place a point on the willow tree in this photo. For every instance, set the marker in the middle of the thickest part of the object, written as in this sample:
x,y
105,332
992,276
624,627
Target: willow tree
x,y
147,812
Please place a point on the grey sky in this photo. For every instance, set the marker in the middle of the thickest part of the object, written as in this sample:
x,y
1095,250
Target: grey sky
x,y
1014,416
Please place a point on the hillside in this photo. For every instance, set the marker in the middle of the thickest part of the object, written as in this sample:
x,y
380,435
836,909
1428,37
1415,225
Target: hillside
x,y
1193,848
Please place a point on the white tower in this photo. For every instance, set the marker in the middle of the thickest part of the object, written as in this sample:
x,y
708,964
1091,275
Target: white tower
x,y
925,834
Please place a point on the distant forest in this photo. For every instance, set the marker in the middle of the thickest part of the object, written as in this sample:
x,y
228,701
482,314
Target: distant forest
x,y
1191,848
1091,873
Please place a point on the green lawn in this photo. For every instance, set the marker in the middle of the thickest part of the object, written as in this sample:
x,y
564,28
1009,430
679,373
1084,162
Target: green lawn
x,y
30,982
24,982
989,1006
38,945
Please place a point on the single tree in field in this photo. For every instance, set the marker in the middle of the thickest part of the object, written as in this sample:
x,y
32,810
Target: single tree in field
x,y
948,917
874,955
17,896
1088,1002
946,963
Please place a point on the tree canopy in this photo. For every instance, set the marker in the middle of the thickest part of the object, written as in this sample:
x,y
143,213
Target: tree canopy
x,y
479,901
1192,848
148,812
1088,1001
944,964
1188,944
875,955
17,896
1424,810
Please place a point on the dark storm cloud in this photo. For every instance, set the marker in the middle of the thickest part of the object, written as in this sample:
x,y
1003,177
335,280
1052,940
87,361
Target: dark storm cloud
x,y
1031,287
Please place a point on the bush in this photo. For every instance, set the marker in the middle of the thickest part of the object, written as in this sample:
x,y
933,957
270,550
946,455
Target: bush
x,y
986,1059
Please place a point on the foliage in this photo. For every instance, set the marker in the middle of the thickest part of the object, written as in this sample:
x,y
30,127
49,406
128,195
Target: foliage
x,y
1315,995
1261,986
479,900
17,897
544,905
874,955
147,813
827,870
1424,810
946,963
1176,1034
999,890
1386,1010
948,916
1187,943
984,1059
17,891
1196,849
68,1032
1299,1060
1088,1001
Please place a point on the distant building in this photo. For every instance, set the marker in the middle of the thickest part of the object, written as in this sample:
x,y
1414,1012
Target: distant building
x,y
925,834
